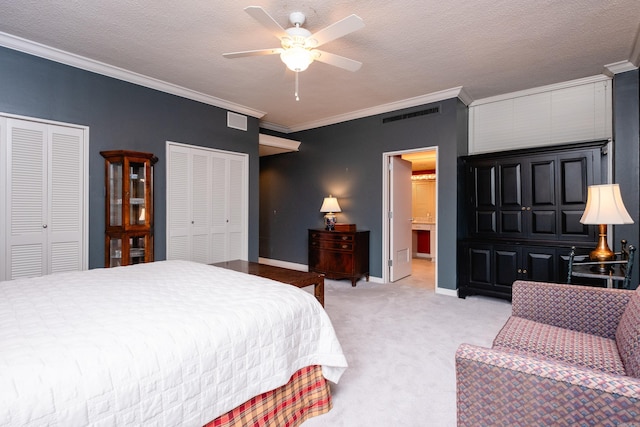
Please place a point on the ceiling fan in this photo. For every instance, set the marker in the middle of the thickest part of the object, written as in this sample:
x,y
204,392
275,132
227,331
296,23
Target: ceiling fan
x,y
298,45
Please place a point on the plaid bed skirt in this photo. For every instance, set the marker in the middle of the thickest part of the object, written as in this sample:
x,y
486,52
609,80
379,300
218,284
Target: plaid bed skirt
x,y
306,395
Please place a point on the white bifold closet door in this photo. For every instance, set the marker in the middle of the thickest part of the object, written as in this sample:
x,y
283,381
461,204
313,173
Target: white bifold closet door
x,y
43,184
207,204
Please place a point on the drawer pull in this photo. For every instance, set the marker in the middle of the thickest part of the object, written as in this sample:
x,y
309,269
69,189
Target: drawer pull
x,y
345,237
345,246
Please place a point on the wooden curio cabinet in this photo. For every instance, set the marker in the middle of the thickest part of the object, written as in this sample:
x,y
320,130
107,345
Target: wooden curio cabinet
x,y
129,207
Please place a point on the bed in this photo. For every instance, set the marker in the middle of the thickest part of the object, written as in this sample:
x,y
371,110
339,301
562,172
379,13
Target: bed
x,y
170,343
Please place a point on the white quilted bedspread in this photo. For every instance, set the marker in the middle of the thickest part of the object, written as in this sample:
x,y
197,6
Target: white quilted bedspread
x,y
166,343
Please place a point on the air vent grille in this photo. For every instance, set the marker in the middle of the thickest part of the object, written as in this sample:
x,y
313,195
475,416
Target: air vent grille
x,y
433,110
236,121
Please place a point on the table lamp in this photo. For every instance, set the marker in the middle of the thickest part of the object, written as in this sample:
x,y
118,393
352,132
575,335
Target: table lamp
x,y
330,206
604,206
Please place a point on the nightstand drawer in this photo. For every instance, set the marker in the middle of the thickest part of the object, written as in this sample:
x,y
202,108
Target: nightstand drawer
x,y
330,244
332,236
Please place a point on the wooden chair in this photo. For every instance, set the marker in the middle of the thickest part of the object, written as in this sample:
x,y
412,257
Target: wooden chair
x,y
623,262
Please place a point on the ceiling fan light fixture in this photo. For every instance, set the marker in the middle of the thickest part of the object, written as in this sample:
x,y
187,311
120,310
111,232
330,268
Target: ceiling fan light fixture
x,y
297,58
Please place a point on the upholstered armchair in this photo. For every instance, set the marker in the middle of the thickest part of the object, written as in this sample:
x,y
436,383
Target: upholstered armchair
x,y
568,356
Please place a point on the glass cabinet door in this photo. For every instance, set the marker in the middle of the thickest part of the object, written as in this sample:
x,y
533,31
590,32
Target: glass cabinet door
x,y
115,194
137,199
137,247
115,252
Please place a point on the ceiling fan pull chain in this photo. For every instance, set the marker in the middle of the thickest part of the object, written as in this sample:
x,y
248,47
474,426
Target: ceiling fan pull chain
x,y
297,95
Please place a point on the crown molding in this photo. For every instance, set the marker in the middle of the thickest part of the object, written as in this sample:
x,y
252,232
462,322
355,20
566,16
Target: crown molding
x,y
541,89
57,55
274,126
618,67
67,58
635,52
456,92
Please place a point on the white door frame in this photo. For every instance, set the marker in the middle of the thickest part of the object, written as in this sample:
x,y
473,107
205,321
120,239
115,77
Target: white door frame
x,y
386,203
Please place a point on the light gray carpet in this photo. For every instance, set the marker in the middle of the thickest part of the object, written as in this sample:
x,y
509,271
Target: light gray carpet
x,y
400,342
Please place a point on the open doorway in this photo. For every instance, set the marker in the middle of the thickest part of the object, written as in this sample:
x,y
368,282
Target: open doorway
x,y
422,205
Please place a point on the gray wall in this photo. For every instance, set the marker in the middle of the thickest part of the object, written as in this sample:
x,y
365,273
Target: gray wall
x,y
345,160
626,168
121,115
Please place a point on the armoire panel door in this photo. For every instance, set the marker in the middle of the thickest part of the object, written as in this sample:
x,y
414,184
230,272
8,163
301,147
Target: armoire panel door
x,y
507,264
483,183
480,265
576,172
540,264
542,200
512,218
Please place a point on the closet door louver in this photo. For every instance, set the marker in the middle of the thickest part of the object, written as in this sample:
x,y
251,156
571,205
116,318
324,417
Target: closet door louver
x,y
66,183
237,239
45,199
27,199
207,205
219,199
200,200
178,197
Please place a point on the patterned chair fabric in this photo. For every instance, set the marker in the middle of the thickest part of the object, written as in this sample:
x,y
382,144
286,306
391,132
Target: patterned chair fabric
x,y
576,348
569,355
628,336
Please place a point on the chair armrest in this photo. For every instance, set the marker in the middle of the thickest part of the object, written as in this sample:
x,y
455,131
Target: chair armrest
x,y
504,388
586,309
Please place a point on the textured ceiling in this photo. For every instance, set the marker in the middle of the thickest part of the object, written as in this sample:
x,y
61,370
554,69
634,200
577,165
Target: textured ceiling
x,y
410,49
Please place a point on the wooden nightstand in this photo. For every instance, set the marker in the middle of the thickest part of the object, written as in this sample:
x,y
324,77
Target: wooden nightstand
x,y
339,254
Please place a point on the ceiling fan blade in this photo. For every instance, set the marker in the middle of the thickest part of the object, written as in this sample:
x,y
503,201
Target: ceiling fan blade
x,y
336,60
260,52
261,15
336,30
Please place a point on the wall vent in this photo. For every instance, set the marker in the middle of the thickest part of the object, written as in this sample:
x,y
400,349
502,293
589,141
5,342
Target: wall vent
x,y
433,110
236,121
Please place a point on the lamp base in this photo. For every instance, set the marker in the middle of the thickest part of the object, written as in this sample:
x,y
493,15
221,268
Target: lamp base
x,y
330,221
602,253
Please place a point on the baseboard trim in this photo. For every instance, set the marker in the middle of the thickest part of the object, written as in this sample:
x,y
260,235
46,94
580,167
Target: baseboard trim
x,y
283,264
447,292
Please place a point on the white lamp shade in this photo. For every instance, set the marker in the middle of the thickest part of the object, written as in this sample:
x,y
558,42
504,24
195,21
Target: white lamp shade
x,y
330,204
296,58
605,206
